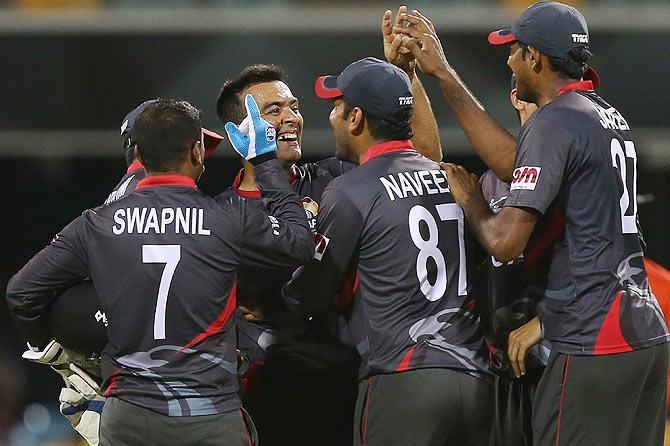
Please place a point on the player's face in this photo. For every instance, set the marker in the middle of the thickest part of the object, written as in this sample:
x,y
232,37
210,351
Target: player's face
x,y
520,66
280,108
340,127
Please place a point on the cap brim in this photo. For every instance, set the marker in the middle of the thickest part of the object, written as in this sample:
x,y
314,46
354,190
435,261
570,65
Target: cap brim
x,y
326,87
501,37
593,76
211,141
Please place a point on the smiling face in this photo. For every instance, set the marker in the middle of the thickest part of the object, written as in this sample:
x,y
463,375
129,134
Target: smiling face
x,y
280,108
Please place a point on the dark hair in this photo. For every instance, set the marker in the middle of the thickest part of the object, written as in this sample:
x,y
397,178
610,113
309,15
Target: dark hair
x,y
165,133
574,67
229,107
384,130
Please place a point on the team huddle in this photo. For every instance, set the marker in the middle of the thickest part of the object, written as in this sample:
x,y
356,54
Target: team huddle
x,y
379,297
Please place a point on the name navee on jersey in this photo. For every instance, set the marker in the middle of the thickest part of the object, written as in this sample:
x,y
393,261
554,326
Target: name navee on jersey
x,y
405,184
610,118
525,178
159,221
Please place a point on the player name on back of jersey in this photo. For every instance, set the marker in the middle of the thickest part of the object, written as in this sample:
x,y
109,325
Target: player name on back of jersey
x,y
159,221
414,184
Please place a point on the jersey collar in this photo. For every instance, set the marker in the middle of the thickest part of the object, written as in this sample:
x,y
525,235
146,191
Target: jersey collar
x,y
387,147
135,165
166,180
581,85
244,193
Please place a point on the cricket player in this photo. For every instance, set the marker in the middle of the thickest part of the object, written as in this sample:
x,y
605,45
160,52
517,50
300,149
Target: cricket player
x,y
170,363
608,336
393,223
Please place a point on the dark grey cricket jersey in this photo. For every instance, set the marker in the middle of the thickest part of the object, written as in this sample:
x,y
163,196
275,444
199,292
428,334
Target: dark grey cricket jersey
x,y
394,222
163,261
309,181
579,152
128,183
511,290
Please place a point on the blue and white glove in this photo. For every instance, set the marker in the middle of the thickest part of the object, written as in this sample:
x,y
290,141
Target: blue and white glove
x,y
258,139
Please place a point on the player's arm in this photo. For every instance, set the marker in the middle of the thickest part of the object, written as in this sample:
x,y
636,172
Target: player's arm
x,y
280,237
314,286
504,235
543,160
283,234
31,291
494,145
426,137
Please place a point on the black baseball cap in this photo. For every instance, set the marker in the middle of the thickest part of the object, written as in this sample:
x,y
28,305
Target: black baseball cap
x,y
551,27
211,139
379,88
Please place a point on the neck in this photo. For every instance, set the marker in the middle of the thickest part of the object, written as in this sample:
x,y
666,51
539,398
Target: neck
x,y
182,172
553,89
362,149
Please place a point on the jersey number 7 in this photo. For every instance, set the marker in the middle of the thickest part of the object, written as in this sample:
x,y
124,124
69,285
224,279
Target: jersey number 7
x,y
170,255
429,249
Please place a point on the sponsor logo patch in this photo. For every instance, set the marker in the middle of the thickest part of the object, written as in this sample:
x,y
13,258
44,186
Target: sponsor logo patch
x,y
270,133
321,245
525,178
405,100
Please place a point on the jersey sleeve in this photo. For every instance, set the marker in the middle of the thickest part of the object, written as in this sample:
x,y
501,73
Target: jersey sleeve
x,y
542,158
280,236
32,290
339,225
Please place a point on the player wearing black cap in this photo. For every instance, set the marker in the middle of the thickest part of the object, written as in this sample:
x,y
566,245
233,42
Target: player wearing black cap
x,y
605,379
393,223
170,366
306,372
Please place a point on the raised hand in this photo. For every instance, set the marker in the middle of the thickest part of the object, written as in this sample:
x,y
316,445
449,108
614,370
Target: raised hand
x,y
255,136
420,38
394,52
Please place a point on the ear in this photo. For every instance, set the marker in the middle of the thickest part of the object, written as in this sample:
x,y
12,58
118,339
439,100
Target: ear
x,y
535,59
516,103
197,153
356,121
136,154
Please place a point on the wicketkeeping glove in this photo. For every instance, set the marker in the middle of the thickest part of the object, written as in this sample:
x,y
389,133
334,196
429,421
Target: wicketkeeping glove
x,y
259,139
82,404
59,358
80,401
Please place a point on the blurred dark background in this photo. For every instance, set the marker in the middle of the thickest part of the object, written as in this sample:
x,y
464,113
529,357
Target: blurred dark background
x,y
69,75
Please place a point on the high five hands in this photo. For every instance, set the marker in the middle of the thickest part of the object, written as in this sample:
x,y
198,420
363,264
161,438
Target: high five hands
x,y
413,38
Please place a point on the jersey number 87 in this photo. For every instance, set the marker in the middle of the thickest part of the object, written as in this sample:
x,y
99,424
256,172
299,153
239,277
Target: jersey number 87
x,y
428,248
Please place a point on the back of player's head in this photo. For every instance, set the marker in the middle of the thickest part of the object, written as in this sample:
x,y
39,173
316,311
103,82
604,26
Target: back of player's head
x,y
381,90
229,106
165,132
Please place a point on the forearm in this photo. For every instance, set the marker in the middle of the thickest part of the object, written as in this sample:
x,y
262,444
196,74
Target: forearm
x,y
494,145
426,137
496,236
285,207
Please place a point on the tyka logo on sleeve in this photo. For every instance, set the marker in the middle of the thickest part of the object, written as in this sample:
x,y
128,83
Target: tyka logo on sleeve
x,y
525,178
